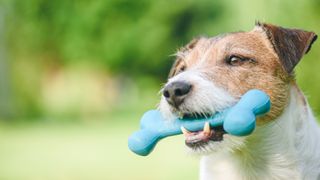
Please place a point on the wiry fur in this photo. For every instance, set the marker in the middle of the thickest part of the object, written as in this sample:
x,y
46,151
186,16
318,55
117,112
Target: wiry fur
x,y
205,97
287,148
286,142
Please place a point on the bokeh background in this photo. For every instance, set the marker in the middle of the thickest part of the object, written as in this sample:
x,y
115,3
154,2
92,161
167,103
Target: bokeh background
x,y
75,77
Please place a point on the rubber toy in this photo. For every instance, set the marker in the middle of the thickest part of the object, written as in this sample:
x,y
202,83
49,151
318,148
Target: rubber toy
x,y
238,120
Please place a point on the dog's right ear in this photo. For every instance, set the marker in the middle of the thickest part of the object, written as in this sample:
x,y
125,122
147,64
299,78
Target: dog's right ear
x,y
289,44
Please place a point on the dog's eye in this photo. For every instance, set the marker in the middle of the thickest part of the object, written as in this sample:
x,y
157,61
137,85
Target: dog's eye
x,y
237,61
182,68
177,70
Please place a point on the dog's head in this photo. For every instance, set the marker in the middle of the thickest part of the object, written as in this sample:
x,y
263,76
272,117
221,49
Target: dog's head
x,y
211,74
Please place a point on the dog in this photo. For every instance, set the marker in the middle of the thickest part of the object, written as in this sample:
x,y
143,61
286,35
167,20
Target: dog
x,y
211,74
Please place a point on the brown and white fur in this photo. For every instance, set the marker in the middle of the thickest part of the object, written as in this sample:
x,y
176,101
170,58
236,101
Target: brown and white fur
x,y
286,141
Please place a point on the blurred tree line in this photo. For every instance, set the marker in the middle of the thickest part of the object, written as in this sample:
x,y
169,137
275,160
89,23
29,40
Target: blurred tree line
x,y
133,39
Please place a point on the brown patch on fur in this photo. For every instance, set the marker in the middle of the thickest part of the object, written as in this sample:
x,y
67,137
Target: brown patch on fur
x,y
264,69
177,66
265,73
180,64
289,44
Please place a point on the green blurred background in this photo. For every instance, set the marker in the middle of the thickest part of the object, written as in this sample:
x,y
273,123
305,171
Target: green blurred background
x,y
75,77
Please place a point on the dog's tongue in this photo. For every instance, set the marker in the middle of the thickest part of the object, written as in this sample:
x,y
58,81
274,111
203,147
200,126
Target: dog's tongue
x,y
194,138
197,136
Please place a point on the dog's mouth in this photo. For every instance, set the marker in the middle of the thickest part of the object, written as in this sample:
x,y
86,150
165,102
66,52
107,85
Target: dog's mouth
x,y
199,139
195,115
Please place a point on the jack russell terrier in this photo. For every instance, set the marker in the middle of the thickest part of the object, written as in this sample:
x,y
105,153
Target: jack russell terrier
x,y
211,74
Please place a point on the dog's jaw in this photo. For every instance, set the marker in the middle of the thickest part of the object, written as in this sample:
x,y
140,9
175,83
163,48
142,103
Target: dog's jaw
x,y
206,98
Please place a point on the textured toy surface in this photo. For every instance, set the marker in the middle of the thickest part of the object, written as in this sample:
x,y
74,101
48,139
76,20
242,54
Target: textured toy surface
x,y
238,120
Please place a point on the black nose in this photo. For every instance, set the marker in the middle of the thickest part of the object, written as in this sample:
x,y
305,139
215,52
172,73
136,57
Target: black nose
x,y
176,92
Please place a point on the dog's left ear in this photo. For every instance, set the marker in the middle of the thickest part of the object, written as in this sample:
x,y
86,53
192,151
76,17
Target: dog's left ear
x,y
289,44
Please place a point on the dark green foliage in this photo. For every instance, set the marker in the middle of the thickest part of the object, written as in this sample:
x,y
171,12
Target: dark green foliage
x,y
124,36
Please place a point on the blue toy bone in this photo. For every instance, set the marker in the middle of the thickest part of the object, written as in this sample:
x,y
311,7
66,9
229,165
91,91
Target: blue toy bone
x,y
239,120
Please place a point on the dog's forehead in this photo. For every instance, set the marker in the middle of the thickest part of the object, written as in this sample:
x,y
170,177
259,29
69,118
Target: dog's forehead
x,y
252,40
251,44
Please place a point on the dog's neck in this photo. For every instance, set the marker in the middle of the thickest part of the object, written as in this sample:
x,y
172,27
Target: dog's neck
x,y
283,149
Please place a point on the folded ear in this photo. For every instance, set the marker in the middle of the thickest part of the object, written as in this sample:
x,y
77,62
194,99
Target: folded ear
x,y
289,44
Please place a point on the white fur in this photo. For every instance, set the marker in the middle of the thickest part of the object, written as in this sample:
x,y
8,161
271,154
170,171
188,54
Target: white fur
x,y
288,148
205,96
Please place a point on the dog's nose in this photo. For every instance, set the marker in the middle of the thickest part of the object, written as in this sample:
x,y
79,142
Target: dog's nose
x,y
176,92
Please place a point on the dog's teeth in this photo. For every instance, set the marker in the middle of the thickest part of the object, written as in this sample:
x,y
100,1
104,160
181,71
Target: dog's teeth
x,y
206,128
185,131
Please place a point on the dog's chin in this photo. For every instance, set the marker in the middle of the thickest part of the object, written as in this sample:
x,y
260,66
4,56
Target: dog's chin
x,y
228,143
199,143
206,141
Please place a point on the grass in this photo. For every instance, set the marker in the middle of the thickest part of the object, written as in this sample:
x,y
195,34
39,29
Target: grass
x,y
93,149
59,149
87,151
97,149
